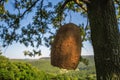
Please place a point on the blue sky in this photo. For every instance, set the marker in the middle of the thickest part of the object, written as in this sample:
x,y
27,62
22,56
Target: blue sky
x,y
16,50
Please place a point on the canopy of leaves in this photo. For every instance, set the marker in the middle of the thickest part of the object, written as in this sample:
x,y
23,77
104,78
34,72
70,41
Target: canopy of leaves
x,y
47,17
45,14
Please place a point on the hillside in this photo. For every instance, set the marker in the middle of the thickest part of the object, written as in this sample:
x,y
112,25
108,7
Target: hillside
x,y
43,64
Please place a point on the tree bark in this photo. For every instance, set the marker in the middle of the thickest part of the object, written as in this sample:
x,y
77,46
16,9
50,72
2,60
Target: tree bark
x,y
105,39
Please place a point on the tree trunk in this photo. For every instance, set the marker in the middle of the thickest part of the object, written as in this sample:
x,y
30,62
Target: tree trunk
x,y
105,39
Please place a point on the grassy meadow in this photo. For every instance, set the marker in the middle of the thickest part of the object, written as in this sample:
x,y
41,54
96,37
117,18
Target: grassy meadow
x,y
83,72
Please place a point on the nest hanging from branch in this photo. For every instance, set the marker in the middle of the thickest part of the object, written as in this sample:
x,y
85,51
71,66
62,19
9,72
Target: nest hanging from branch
x,y
66,48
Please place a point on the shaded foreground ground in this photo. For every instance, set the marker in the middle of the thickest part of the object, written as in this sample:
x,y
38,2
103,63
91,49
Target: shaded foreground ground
x,y
83,72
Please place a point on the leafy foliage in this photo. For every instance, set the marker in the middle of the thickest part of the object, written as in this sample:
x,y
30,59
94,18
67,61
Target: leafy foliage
x,y
84,72
19,71
32,53
2,9
84,60
47,17
76,75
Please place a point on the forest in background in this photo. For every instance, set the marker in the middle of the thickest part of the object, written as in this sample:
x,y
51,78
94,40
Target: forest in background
x,y
83,72
41,69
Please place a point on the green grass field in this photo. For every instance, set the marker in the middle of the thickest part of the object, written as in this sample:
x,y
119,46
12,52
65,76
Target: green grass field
x,y
83,72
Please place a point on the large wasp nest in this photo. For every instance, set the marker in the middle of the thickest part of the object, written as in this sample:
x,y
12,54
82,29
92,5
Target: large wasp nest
x,y
66,48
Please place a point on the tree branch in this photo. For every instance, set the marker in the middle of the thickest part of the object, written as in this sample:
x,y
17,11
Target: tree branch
x,y
81,5
29,8
84,1
117,2
64,4
77,2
